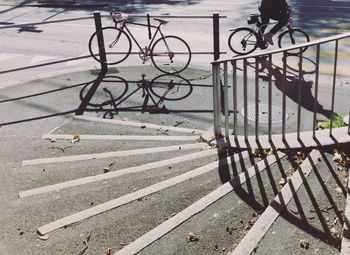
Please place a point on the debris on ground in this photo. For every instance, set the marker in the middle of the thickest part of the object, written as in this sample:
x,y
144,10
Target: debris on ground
x,y
304,244
108,251
282,182
76,139
191,237
108,168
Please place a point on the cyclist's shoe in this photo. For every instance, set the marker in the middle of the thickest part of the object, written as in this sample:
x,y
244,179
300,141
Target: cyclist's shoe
x,y
268,38
263,45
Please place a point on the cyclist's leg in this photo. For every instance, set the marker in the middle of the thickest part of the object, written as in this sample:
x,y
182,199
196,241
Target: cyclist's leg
x,y
282,21
265,19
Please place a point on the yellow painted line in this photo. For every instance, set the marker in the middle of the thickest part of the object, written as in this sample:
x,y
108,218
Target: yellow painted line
x,y
344,24
342,41
326,53
335,30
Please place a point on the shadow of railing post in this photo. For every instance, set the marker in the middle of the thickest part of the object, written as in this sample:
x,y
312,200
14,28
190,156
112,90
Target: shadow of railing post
x,y
104,68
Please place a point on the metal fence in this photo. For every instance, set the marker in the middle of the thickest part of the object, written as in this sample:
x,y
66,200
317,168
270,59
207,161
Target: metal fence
x,y
215,17
246,87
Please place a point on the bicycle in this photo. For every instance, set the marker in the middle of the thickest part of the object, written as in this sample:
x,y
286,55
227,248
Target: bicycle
x,y
249,39
169,54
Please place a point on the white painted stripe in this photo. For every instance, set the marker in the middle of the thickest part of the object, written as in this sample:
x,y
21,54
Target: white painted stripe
x,y
345,244
6,56
195,208
122,137
40,58
114,174
265,221
112,154
339,135
139,124
130,197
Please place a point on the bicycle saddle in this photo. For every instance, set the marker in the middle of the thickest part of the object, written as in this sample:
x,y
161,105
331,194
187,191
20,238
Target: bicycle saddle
x,y
161,21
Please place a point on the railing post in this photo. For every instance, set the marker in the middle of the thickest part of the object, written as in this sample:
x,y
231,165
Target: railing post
x,y
216,99
216,36
102,52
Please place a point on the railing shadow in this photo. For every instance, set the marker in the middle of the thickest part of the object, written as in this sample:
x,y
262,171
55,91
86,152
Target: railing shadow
x,y
298,212
294,85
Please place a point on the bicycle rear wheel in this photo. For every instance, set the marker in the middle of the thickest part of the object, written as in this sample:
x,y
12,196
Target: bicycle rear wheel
x,y
243,41
117,45
291,37
111,89
171,54
171,87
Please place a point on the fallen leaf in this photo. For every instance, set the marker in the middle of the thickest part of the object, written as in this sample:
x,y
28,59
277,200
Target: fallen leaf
x,y
44,237
191,237
282,182
108,251
336,156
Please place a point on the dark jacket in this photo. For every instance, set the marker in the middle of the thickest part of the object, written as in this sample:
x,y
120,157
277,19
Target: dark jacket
x,y
273,6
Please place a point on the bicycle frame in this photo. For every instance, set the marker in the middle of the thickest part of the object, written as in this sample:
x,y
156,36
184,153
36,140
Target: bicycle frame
x,y
123,27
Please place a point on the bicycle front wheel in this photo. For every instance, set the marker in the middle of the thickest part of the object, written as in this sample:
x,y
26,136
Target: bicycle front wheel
x,y
117,45
243,41
171,54
171,87
291,37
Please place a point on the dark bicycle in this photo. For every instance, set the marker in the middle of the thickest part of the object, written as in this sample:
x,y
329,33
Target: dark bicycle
x,y
244,40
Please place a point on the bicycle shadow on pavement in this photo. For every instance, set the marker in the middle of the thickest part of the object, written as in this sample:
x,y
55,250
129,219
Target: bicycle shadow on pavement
x,y
162,94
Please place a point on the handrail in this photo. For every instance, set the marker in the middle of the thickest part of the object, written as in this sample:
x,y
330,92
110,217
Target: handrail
x,y
292,85
312,43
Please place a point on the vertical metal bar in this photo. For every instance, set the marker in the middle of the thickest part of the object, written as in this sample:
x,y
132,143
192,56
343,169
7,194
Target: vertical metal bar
x,y
226,100
215,98
234,89
316,89
349,122
245,98
284,95
299,90
216,35
257,99
100,39
334,82
270,97
102,52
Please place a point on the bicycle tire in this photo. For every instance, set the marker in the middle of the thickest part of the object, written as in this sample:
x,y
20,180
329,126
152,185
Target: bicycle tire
x,y
102,98
284,40
171,62
246,37
165,88
114,54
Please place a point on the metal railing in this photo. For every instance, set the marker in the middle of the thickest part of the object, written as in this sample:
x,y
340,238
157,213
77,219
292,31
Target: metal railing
x,y
249,69
215,17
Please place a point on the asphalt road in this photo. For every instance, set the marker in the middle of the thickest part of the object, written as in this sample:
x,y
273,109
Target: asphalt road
x,y
44,43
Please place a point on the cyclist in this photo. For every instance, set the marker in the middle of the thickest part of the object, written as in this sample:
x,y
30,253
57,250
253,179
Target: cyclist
x,y
277,10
